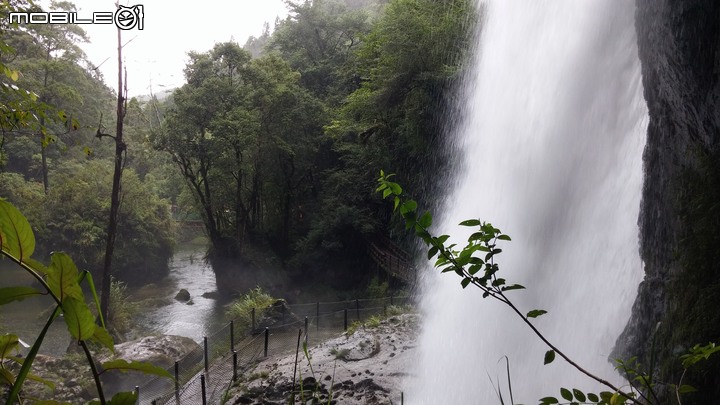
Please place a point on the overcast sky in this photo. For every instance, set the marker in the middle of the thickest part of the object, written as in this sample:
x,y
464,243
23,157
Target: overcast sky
x,y
157,54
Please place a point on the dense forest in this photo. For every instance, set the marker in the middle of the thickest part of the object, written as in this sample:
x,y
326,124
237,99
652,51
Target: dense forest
x,y
275,145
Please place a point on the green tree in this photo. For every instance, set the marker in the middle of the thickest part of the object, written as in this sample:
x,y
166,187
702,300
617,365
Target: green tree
x,y
319,39
245,123
54,68
407,67
73,215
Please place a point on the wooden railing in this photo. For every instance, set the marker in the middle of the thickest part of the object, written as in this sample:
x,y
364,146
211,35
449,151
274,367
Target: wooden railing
x,y
391,258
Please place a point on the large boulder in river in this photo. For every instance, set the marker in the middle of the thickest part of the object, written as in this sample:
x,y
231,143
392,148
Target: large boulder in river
x,y
183,295
162,351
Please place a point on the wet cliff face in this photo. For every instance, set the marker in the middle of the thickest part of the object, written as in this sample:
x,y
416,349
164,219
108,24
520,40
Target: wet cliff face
x,y
679,47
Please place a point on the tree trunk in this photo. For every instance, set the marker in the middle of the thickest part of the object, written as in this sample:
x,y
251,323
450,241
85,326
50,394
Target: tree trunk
x,y
115,198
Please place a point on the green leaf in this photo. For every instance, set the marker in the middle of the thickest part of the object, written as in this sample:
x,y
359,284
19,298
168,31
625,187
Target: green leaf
x,y
579,395
409,220
396,189
121,398
592,397
549,357
549,400
396,203
685,389
6,377
16,236
104,338
425,220
147,368
503,237
91,284
63,277
513,287
566,394
440,240
386,193
11,294
408,206
8,343
465,282
78,318
535,313
41,380
432,252
498,282
35,266
470,222
30,357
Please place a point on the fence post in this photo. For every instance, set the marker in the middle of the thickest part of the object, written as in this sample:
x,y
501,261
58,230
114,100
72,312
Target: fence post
x,y
306,330
357,308
345,320
385,310
137,391
202,386
232,336
317,316
177,382
297,352
205,350
234,365
267,337
391,299
402,398
253,319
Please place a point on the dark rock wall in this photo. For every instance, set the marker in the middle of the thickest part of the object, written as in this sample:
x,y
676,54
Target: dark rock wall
x,y
679,48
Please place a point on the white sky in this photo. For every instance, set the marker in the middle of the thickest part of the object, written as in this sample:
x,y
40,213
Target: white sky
x,y
158,53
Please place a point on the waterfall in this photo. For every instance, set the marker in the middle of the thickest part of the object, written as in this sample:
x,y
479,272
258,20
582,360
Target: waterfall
x,y
552,139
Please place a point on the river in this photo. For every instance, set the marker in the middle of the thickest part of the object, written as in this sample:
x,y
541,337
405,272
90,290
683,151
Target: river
x,y
156,310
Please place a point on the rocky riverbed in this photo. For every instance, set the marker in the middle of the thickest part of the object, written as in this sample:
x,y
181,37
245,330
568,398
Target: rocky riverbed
x,y
364,366
69,378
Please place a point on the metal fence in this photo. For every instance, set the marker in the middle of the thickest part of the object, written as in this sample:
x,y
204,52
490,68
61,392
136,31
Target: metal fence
x,y
204,375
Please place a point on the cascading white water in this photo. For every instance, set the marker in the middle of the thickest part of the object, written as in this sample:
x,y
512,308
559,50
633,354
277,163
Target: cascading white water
x,y
552,139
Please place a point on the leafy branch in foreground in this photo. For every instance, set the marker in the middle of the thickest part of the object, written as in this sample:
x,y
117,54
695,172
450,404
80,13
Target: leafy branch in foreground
x,y
475,264
60,280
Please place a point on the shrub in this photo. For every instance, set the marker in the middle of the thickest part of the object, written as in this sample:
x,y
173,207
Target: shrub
x,y
241,309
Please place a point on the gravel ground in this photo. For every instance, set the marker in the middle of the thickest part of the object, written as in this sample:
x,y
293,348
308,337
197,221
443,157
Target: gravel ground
x,y
364,367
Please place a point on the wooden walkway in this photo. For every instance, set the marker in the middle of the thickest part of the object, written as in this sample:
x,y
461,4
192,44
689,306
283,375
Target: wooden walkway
x,y
392,259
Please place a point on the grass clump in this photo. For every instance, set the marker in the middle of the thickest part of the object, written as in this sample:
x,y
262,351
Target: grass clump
x,y
373,321
241,309
394,310
122,310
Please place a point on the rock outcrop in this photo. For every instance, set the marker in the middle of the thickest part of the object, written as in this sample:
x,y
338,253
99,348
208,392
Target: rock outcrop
x,y
161,351
679,48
